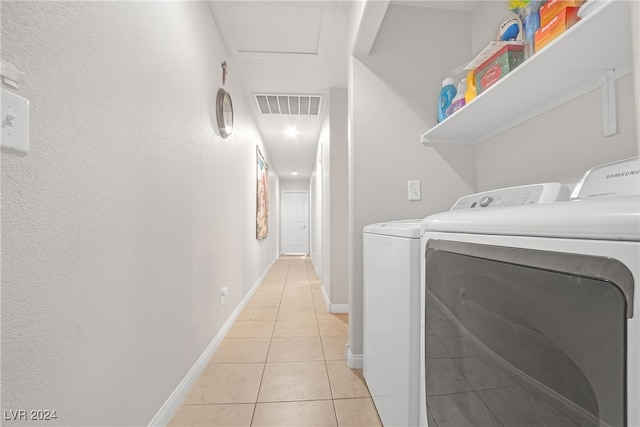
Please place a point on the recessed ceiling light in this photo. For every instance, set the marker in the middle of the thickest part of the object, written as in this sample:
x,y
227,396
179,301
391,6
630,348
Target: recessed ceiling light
x,y
291,132
294,173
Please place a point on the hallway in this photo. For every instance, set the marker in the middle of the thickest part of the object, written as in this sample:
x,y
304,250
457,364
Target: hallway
x,y
282,362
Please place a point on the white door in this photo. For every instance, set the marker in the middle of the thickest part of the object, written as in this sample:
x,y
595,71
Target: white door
x,y
295,222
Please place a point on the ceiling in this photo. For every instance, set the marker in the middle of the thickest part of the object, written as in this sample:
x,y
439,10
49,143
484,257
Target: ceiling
x,y
291,48
287,48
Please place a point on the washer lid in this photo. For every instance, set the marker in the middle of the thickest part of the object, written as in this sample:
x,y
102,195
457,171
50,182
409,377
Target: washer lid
x,y
405,228
603,219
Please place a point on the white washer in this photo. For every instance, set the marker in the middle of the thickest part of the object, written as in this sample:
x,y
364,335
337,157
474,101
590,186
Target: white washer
x,y
527,312
391,338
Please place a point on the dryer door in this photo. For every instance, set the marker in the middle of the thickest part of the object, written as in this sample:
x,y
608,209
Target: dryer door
x,y
523,337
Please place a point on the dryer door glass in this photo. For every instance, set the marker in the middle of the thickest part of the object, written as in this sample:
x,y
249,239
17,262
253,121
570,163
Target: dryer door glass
x,y
509,344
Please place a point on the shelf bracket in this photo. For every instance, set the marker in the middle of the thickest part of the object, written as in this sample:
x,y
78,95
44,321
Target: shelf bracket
x,y
609,116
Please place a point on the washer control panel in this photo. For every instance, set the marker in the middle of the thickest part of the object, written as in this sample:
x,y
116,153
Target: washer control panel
x,y
515,196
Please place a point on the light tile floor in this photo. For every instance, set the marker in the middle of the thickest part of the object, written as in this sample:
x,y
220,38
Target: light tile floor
x,y
282,362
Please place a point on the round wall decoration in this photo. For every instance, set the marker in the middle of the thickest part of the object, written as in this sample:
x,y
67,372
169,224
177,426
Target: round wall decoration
x,y
224,113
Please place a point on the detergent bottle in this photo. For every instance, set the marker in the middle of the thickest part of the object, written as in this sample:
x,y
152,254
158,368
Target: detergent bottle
x,y
459,100
471,92
447,93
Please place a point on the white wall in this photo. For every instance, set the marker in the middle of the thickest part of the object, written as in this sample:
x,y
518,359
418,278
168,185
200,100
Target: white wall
x,y
634,17
315,223
294,185
319,197
128,215
393,98
338,293
559,145
330,204
324,174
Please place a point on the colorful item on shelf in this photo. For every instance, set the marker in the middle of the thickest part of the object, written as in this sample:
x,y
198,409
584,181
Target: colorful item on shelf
x,y
459,100
527,11
533,91
471,91
556,26
447,93
518,4
496,67
488,52
552,8
510,30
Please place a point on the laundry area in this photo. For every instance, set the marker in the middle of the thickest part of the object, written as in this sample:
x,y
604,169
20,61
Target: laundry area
x,y
398,212
511,281
523,288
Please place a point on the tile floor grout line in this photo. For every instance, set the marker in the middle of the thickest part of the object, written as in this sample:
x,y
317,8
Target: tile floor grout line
x,y
264,366
315,315
324,355
303,400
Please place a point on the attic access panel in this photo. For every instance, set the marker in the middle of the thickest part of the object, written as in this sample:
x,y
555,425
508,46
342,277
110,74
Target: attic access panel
x,y
276,27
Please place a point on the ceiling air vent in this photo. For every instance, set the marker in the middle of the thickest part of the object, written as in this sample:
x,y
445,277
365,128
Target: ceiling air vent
x,y
292,105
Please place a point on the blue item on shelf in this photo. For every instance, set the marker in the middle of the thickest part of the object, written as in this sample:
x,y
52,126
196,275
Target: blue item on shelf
x,y
509,30
447,93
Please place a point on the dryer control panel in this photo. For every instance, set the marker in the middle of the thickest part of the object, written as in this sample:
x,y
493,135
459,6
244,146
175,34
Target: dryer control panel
x,y
515,196
617,179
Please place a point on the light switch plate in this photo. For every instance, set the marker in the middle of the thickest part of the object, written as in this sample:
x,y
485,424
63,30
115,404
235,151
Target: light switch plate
x,y
15,122
414,190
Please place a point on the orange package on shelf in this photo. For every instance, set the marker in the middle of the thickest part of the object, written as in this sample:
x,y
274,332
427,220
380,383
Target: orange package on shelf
x,y
553,7
558,25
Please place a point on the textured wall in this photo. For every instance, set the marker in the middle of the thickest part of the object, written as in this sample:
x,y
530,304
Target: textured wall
x,y
129,213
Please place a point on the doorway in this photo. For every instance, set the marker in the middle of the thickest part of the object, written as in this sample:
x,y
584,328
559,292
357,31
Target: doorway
x,y
295,222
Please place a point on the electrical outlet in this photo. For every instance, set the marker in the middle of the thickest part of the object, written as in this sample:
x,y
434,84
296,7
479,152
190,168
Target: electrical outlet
x,y
414,190
223,294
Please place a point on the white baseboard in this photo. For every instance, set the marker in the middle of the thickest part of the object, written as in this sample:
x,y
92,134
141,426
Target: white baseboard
x,y
334,308
339,308
315,267
353,360
163,416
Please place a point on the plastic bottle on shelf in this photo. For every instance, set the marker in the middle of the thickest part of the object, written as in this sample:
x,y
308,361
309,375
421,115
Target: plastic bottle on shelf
x,y
447,93
459,100
471,91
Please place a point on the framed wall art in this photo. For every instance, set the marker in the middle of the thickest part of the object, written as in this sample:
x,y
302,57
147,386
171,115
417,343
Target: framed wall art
x,y
262,196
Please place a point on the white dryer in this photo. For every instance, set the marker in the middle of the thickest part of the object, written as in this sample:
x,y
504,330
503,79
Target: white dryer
x,y
529,313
